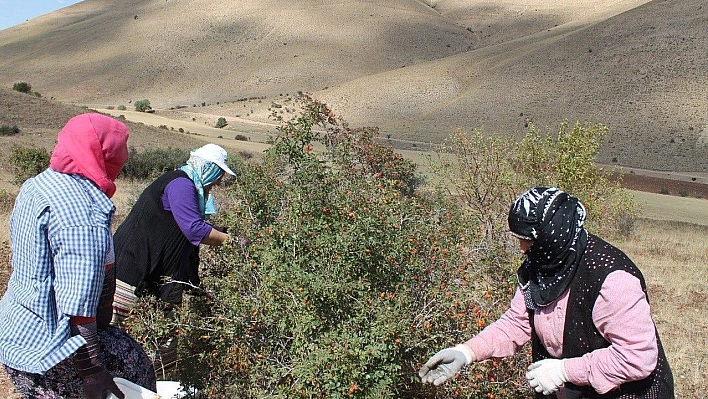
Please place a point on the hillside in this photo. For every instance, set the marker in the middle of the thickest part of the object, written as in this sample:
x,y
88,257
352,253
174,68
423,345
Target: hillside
x,y
40,119
417,69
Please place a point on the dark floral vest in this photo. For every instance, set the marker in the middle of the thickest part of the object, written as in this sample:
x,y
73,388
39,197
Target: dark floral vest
x,y
581,336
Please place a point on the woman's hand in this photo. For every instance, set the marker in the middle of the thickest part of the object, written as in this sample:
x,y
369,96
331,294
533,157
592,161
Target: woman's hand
x,y
445,364
215,237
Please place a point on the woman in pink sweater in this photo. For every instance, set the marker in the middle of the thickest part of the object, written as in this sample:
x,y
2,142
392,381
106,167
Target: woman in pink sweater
x,y
583,305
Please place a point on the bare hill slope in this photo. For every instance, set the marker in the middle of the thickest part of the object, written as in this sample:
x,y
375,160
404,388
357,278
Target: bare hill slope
x,y
642,73
418,69
186,52
40,119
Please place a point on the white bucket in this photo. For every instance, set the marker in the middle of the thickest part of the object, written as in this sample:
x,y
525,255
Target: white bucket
x,y
132,390
170,390
165,390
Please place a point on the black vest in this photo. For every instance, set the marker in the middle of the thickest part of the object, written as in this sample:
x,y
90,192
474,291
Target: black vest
x,y
581,337
149,244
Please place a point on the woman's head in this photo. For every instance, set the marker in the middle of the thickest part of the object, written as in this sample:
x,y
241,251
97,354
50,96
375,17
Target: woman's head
x,y
549,217
205,167
94,146
211,161
549,225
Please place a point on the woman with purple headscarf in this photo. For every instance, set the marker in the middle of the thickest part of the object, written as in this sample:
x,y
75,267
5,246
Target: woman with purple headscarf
x,y
583,305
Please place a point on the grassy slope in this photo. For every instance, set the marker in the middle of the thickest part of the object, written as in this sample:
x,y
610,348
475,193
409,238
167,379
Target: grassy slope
x,y
673,258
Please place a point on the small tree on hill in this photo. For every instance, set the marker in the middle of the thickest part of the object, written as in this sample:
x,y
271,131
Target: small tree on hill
x,y
567,160
22,87
142,105
221,122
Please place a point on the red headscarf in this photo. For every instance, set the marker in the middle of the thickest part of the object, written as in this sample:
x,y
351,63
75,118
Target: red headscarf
x,y
94,146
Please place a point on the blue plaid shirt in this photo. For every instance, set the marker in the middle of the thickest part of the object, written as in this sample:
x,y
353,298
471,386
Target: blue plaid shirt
x,y
61,239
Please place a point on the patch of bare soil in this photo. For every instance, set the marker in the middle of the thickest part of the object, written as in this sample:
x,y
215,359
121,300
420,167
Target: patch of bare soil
x,y
639,182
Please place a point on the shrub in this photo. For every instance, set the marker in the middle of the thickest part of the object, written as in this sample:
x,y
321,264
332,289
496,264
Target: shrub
x,y
6,130
347,274
567,160
22,87
28,162
221,122
240,137
477,170
487,173
152,163
142,105
121,107
347,278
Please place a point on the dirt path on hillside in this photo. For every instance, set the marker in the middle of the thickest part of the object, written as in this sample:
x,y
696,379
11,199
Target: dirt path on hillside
x,y
222,137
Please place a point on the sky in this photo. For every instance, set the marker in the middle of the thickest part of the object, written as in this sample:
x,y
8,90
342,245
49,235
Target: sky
x,y
14,12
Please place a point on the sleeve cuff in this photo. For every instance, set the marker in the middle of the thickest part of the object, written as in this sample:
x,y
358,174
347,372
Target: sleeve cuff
x,y
575,370
469,354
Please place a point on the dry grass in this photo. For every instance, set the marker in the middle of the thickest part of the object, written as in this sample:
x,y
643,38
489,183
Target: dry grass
x,y
673,257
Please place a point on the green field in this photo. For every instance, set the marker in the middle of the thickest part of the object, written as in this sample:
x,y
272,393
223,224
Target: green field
x,y
664,207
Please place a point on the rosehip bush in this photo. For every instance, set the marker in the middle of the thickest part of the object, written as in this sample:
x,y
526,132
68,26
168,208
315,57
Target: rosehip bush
x,y
343,278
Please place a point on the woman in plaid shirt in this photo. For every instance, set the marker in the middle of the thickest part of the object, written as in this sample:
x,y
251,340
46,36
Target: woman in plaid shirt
x,y
55,341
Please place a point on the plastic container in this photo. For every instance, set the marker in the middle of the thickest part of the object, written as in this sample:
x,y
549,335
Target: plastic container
x,y
170,390
133,390
165,390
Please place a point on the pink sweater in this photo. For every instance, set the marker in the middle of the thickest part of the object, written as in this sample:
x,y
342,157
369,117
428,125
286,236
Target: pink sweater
x,y
621,314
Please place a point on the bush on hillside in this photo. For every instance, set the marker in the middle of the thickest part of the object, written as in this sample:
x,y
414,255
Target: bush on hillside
x,y
567,160
487,173
221,122
22,87
6,130
349,274
150,164
142,105
347,278
28,162
477,171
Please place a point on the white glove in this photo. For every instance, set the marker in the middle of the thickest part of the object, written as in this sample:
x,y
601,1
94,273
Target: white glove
x,y
446,364
547,375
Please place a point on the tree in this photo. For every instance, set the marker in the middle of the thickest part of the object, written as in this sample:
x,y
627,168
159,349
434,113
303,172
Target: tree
x,y
143,105
22,87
